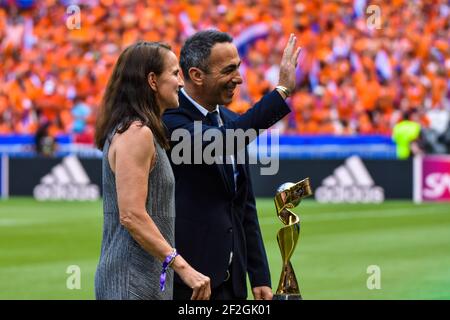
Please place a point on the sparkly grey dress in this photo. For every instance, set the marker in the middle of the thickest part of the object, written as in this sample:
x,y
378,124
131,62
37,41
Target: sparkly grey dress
x,y
125,269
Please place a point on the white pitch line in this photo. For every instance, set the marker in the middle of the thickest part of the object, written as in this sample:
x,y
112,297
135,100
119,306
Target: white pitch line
x,y
15,222
381,213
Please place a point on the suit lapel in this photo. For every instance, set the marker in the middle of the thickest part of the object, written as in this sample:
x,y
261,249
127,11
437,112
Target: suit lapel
x,y
242,172
187,106
196,115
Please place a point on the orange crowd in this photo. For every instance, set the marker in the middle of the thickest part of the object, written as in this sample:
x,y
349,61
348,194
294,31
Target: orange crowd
x,y
354,77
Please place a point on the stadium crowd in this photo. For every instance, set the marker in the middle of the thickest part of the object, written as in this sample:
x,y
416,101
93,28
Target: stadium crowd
x,y
355,77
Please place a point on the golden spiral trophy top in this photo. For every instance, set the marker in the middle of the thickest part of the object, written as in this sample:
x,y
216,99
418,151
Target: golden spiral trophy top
x,y
288,197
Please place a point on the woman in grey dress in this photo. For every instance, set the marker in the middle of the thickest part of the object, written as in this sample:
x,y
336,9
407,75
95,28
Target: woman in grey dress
x,y
138,257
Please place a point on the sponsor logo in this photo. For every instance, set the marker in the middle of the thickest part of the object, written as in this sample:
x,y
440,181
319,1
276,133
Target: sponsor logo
x,y
432,178
350,183
66,181
436,185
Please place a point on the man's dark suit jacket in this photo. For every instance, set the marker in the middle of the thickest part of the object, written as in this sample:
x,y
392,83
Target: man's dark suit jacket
x,y
212,219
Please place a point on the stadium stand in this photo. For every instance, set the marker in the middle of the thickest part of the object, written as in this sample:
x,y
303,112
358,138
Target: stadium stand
x,y
353,80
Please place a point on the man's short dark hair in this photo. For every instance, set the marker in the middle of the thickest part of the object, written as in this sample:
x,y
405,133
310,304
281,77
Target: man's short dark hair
x,y
197,49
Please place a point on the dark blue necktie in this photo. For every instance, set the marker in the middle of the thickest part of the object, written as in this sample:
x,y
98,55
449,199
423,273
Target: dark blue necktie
x,y
213,117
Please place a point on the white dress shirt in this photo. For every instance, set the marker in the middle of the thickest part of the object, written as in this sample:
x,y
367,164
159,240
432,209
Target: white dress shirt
x,y
205,112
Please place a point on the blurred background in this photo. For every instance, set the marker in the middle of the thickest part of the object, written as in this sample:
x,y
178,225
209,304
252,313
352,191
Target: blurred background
x,y
370,126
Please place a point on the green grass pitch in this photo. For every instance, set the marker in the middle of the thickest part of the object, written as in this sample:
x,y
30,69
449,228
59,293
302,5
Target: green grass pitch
x,y
338,242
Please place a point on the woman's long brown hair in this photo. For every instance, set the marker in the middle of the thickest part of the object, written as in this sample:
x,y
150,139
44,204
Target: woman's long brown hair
x,y
128,96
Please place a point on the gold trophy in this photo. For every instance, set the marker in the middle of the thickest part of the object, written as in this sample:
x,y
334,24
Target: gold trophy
x,y
289,196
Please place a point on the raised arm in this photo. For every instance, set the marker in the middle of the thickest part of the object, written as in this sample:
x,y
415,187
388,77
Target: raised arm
x,y
265,113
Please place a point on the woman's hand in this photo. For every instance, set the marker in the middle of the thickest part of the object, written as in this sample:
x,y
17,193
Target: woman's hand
x,y
198,282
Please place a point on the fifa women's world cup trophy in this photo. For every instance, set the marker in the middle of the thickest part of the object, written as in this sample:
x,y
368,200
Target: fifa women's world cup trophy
x,y
289,196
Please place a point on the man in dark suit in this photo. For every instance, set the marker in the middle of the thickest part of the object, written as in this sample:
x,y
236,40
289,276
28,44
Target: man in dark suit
x,y
217,228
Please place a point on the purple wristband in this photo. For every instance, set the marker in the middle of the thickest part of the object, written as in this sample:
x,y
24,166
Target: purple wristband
x,y
169,259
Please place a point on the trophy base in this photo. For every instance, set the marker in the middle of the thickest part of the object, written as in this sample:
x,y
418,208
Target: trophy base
x,y
287,297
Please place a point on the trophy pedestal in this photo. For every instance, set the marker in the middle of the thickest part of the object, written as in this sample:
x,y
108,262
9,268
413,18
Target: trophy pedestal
x,y
287,297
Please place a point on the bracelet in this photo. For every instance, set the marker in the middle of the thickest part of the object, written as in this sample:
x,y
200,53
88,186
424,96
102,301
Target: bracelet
x,y
285,90
166,264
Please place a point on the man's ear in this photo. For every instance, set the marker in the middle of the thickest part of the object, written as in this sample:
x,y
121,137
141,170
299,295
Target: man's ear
x,y
196,76
152,81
